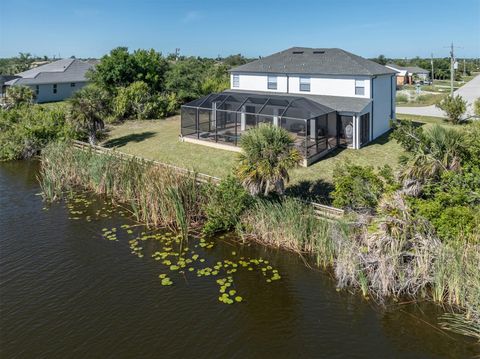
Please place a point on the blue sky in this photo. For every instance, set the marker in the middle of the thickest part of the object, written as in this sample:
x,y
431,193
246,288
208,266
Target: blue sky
x,y
89,28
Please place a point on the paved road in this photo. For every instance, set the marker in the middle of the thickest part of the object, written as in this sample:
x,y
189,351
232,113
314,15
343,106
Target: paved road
x,y
470,92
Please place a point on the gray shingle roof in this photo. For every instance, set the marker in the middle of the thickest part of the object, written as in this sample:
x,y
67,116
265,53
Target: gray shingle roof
x,y
410,69
315,61
66,70
337,103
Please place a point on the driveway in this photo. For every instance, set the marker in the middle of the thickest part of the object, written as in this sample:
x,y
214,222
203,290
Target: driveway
x,y
470,92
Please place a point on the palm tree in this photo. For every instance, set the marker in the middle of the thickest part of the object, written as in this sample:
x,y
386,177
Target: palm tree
x,y
268,154
88,108
439,150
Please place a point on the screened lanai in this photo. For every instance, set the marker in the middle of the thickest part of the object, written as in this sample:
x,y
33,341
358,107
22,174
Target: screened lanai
x,y
223,117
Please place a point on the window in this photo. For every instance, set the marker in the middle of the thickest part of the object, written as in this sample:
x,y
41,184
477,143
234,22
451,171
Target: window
x,y
54,88
272,82
305,84
236,80
359,87
37,90
72,84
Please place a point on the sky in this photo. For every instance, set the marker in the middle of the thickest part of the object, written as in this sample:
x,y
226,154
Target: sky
x,y
91,28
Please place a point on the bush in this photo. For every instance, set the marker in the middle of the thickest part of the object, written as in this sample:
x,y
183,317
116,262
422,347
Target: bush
x,y
454,107
227,203
476,107
19,95
25,130
356,187
402,98
134,101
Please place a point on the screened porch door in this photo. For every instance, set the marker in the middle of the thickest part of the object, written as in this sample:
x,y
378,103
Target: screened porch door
x,y
364,128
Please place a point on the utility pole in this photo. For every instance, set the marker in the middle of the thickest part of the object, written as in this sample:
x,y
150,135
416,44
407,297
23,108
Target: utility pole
x,y
464,69
177,53
431,62
452,70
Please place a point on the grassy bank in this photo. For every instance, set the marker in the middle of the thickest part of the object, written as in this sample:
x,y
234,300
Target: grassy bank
x,y
157,196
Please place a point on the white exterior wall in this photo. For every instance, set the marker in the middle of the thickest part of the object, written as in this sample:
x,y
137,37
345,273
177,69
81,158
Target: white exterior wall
x,y
319,85
331,86
259,82
64,91
382,104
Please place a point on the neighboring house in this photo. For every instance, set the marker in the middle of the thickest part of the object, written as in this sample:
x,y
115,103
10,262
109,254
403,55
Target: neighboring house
x,y
326,98
405,75
55,81
418,72
3,80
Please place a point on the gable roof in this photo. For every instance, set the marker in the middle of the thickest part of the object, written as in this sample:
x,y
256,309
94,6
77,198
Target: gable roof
x,y
417,70
65,70
410,69
315,61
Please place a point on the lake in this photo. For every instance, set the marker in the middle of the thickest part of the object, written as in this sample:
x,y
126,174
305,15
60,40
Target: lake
x,y
69,290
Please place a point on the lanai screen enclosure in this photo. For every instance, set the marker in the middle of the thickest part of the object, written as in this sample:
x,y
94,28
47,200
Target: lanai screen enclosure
x,y
222,118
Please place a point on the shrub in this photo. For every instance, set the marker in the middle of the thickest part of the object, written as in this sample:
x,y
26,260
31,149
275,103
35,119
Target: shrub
x,y
454,107
476,107
25,130
402,98
134,101
19,95
356,187
227,203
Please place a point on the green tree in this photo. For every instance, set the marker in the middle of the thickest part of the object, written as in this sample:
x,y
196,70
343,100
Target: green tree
x,y
120,68
134,101
185,78
267,156
454,107
19,95
88,108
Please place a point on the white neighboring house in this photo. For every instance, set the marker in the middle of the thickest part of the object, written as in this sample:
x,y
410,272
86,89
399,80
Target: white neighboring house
x,y
405,74
326,98
55,81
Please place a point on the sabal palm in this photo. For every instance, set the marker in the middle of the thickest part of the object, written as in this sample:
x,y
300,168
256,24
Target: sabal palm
x,y
88,107
440,151
268,154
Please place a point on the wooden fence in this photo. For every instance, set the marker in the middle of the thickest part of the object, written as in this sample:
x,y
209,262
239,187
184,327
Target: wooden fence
x,y
320,209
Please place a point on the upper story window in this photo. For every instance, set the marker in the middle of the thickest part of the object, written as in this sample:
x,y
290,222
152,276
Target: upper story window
x,y
54,88
359,87
272,82
72,84
37,90
305,84
236,81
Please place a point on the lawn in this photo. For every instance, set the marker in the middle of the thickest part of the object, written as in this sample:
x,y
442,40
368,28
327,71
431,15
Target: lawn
x,y
158,139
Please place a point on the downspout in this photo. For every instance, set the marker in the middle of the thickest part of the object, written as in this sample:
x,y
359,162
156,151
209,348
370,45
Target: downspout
x,y
373,105
288,84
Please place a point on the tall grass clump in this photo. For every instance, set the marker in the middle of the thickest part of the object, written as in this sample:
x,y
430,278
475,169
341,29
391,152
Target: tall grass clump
x,y
293,225
159,196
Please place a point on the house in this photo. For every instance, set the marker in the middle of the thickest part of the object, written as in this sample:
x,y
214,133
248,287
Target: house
x,y
418,72
406,75
326,98
403,76
54,81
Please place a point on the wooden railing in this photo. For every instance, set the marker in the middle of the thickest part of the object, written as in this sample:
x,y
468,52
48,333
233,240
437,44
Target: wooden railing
x,y
320,209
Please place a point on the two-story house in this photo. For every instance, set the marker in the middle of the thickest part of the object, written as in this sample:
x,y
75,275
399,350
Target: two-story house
x,y
326,98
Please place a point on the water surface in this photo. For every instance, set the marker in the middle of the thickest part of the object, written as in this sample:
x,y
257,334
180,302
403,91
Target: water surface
x,y
68,292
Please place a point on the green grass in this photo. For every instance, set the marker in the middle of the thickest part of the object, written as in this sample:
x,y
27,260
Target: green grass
x,y
158,140
425,99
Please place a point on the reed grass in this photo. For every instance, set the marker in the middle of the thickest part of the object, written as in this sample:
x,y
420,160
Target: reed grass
x,y
293,225
158,196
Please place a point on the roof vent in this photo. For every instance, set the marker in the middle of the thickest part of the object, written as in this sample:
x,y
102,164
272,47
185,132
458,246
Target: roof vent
x,y
318,51
297,52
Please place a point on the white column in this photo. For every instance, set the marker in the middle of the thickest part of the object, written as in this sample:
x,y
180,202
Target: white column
x,y
214,115
275,117
356,133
